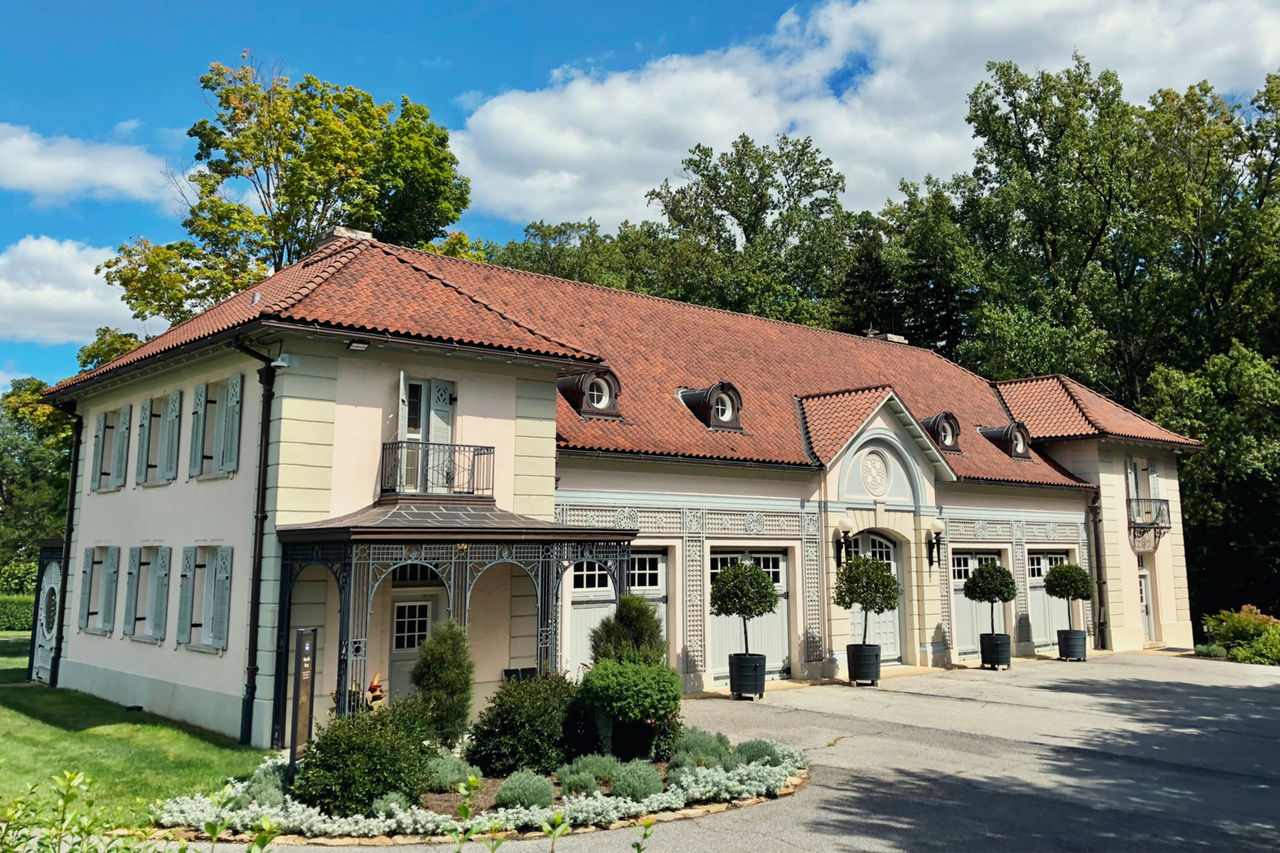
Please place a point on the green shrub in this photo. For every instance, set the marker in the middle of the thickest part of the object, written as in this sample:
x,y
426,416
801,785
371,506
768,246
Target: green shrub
x,y
354,760
267,785
868,584
1264,649
525,789
443,675
576,782
757,752
383,805
16,612
990,583
523,727
1070,583
415,716
698,748
1241,627
444,771
599,767
627,700
1211,650
633,633
743,590
665,734
19,578
637,780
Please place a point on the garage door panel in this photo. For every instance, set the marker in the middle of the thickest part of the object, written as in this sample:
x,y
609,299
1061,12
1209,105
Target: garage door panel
x,y
768,635
592,601
971,618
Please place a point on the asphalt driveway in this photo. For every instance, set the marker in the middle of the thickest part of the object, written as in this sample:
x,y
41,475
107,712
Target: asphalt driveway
x,y
1124,752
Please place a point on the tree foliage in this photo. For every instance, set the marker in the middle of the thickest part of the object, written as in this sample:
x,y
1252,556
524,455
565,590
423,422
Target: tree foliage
x,y
443,675
633,633
744,590
108,343
991,583
867,583
34,442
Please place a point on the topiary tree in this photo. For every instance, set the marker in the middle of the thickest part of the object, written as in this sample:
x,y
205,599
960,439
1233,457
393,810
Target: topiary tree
x,y
743,590
991,582
1070,583
868,583
633,633
443,675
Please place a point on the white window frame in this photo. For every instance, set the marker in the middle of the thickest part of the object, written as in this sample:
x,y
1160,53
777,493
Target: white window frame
x,y
396,635
773,561
590,578
653,574
1040,561
972,559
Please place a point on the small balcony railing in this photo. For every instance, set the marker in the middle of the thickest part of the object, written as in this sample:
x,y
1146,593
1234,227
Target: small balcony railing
x,y
423,468
1149,514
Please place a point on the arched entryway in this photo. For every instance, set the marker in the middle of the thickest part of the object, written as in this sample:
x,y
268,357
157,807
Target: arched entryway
x,y
886,629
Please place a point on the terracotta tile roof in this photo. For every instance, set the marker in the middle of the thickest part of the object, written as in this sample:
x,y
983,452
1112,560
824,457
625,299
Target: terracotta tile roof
x,y
358,285
831,419
1054,407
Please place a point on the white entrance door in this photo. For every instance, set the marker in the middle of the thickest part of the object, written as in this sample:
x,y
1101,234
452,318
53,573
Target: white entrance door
x,y
412,616
1048,615
768,635
1144,605
885,628
970,618
593,599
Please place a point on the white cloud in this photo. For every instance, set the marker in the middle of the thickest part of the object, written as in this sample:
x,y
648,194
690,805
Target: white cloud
x,y
60,168
51,295
880,85
127,127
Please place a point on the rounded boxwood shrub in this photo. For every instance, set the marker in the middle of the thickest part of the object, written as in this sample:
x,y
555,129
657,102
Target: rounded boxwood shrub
x,y
757,752
636,780
599,767
443,676
576,782
523,727
743,590
354,760
628,700
697,748
869,584
990,583
444,770
1070,583
525,789
633,633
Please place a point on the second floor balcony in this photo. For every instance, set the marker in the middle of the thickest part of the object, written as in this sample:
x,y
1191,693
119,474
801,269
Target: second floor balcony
x,y
446,470
1148,514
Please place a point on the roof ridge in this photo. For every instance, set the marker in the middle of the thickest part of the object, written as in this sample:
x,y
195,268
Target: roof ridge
x,y
337,260
1065,383
806,438
388,249
1133,412
885,385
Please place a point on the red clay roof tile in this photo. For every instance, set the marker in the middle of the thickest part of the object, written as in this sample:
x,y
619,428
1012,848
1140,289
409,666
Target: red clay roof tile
x,y
1055,407
832,419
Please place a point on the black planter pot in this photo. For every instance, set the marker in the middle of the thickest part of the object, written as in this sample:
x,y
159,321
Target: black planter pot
x,y
746,675
1072,645
864,663
996,649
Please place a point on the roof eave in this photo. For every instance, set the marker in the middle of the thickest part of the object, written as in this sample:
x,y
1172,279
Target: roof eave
x,y
647,456
1190,445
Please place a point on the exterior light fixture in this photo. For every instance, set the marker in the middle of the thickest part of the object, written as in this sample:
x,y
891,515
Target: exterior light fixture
x,y
844,542
934,541
358,346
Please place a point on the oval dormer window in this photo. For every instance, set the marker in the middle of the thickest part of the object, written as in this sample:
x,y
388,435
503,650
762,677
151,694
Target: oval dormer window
x,y
945,430
592,395
946,435
724,408
598,395
1019,443
717,407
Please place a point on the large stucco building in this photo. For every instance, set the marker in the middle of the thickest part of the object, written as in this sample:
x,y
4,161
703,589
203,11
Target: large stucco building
x,y
376,438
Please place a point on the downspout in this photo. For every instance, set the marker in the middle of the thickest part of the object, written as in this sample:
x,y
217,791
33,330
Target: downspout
x,y
1099,570
77,431
267,379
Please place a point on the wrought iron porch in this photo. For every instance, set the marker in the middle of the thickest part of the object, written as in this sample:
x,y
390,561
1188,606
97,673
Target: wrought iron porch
x,y
426,468
1149,514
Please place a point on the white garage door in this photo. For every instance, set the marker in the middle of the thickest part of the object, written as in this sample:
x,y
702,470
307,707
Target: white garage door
x,y
970,618
769,634
886,628
593,600
1048,615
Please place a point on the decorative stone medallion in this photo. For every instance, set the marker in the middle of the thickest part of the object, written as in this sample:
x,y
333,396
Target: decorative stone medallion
x,y
875,472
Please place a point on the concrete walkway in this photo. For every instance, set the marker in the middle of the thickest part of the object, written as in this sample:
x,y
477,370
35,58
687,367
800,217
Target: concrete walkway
x,y
1125,752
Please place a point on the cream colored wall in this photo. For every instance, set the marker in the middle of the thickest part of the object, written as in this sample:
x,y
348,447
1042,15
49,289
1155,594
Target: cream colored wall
x,y
582,477
209,511
883,432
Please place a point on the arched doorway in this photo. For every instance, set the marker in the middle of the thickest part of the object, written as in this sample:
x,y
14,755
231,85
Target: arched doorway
x,y
885,628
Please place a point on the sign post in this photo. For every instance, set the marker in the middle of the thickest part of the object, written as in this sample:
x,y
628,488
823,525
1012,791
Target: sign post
x,y
303,689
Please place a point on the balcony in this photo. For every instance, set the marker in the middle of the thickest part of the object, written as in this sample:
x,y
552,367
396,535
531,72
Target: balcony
x,y
445,470
1148,514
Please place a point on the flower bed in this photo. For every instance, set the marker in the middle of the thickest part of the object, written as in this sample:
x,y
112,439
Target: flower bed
x,y
235,807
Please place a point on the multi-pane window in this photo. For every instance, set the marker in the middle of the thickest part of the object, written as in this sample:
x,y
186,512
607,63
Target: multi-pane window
x,y
204,598
98,576
1039,562
772,563
159,422
590,575
147,593
646,570
412,624
215,427
963,563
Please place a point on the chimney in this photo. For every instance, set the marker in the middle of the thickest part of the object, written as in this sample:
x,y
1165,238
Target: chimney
x,y
338,232
887,336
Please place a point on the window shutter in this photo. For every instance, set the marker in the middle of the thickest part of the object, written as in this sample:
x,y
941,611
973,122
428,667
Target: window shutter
x,y
144,440
1153,477
158,601
120,450
195,465
1131,475
86,586
131,591
99,437
170,427
402,412
221,611
226,453
186,593
110,571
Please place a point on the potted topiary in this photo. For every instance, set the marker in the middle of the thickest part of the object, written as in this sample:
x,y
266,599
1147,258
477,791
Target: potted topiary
x,y
871,585
745,591
991,583
1070,583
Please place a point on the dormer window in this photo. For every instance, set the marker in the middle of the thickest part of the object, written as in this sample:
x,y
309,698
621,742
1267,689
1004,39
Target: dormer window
x,y
945,429
592,395
1012,438
718,406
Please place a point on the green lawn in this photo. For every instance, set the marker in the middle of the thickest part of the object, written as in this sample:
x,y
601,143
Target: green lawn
x,y
133,757
13,656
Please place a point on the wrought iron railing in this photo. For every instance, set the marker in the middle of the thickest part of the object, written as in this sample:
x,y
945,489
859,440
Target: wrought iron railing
x,y
1149,513
424,468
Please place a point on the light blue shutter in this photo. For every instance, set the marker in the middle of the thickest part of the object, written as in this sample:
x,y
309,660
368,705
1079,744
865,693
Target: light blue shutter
x,y
131,591
120,450
158,604
110,571
144,441
170,428
220,613
402,410
440,430
226,451
86,586
186,593
1153,477
195,466
99,437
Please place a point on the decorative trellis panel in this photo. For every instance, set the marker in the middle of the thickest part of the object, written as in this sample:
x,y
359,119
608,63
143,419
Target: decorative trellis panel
x,y
1051,531
752,523
695,629
1082,544
1021,604
944,584
811,589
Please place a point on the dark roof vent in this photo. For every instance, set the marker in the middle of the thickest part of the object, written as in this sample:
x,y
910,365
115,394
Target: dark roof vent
x,y
1012,438
718,406
945,429
592,395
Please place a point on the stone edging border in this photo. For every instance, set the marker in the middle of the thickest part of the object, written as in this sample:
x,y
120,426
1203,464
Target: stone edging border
x,y
793,784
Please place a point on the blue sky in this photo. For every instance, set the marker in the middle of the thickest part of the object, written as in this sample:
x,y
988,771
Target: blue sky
x,y
559,110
